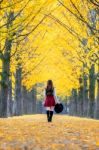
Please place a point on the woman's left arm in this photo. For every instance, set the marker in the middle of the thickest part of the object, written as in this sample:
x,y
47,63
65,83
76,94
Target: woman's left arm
x,y
44,97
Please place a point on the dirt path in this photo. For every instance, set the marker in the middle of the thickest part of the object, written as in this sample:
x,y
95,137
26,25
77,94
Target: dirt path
x,y
33,132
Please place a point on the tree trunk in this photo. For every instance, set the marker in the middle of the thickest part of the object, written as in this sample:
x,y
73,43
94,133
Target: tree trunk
x,y
39,107
9,102
97,103
66,105
6,68
18,92
34,98
5,78
80,98
32,101
71,106
91,92
25,100
85,96
74,102
97,99
0,98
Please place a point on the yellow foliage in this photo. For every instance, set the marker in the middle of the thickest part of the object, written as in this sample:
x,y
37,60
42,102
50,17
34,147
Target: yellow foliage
x,y
54,49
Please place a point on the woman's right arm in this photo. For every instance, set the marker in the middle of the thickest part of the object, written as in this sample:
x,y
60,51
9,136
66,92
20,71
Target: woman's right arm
x,y
55,96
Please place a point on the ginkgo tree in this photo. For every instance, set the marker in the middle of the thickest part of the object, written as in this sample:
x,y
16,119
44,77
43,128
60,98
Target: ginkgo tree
x,y
15,23
43,40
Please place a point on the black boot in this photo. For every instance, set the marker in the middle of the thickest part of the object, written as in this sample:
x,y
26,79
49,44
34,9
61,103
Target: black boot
x,y
48,115
51,115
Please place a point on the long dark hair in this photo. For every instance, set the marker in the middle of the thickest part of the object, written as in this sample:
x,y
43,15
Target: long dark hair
x,y
49,84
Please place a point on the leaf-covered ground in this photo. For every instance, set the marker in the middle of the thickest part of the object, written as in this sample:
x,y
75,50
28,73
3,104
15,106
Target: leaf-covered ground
x,y
33,132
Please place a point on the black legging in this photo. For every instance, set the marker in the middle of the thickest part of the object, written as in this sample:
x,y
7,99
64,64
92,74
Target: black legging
x,y
49,115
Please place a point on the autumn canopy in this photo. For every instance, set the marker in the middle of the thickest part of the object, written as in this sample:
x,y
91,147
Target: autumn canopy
x,y
48,39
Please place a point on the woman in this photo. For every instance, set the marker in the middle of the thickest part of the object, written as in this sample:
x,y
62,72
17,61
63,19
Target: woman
x,y
50,99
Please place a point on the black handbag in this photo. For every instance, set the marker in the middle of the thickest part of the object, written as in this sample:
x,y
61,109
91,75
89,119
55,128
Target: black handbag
x,y
58,108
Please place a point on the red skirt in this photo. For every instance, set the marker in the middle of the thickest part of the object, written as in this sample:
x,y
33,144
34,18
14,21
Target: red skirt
x,y
49,101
